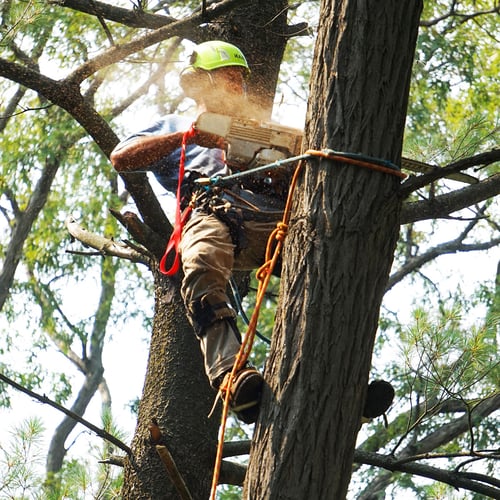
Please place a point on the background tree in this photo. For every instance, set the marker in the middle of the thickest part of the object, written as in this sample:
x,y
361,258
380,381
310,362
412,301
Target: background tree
x,y
83,85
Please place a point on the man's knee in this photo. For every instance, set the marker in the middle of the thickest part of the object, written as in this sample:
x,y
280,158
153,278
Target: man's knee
x,y
208,310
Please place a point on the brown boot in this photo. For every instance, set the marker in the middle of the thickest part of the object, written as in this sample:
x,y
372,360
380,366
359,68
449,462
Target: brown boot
x,y
246,391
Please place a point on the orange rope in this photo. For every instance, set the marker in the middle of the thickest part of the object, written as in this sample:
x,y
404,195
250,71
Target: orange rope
x,y
354,161
263,276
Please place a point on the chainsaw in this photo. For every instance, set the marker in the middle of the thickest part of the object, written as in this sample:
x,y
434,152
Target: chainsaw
x,y
252,143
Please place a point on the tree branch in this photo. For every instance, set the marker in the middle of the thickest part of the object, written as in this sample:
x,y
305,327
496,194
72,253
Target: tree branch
x,y
450,171
415,262
24,222
45,400
133,18
234,473
453,478
183,28
426,168
141,233
236,448
463,18
445,248
173,472
445,204
105,246
439,437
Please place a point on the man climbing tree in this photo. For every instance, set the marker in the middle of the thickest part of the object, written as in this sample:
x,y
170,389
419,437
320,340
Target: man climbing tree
x,y
339,248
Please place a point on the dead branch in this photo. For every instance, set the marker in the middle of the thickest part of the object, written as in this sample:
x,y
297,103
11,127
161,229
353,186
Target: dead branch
x,y
105,246
141,233
173,472
119,461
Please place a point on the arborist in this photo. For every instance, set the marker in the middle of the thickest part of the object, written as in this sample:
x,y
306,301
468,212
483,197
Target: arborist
x,y
227,229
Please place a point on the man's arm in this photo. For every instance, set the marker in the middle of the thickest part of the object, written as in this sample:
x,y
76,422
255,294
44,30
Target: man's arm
x,y
143,151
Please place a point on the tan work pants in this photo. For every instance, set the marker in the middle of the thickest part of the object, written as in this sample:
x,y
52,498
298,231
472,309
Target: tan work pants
x,y
208,259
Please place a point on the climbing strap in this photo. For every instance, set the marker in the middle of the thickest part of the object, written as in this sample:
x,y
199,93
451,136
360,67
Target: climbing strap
x,y
264,273
357,159
180,217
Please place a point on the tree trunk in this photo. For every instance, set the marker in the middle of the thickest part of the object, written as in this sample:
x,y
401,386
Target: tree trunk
x,y
176,392
57,450
338,254
177,396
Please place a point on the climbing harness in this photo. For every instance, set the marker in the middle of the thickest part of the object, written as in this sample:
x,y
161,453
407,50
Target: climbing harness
x,y
357,159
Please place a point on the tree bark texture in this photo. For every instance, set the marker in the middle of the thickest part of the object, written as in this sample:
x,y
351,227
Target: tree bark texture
x,y
338,253
177,396
259,28
176,392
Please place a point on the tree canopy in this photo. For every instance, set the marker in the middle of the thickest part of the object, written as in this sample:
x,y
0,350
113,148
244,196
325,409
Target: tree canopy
x,y
76,76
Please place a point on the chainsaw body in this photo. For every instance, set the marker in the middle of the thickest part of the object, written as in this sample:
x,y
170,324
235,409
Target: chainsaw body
x,y
252,143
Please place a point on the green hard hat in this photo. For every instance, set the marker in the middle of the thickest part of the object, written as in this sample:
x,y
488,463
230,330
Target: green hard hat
x,y
217,54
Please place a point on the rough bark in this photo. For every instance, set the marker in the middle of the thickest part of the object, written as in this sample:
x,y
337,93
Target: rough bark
x,y
338,255
176,394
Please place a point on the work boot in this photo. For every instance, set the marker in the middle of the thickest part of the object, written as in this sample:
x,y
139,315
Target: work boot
x,y
246,391
378,399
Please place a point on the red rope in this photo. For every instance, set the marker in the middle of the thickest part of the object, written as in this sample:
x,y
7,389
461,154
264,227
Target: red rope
x,y
180,218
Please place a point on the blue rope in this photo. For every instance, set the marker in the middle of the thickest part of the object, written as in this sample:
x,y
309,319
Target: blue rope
x,y
223,180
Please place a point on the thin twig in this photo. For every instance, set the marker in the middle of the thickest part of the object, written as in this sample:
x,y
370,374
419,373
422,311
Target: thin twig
x,y
45,400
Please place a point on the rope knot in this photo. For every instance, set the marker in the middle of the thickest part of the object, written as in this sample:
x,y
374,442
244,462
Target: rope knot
x,y
263,271
282,231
